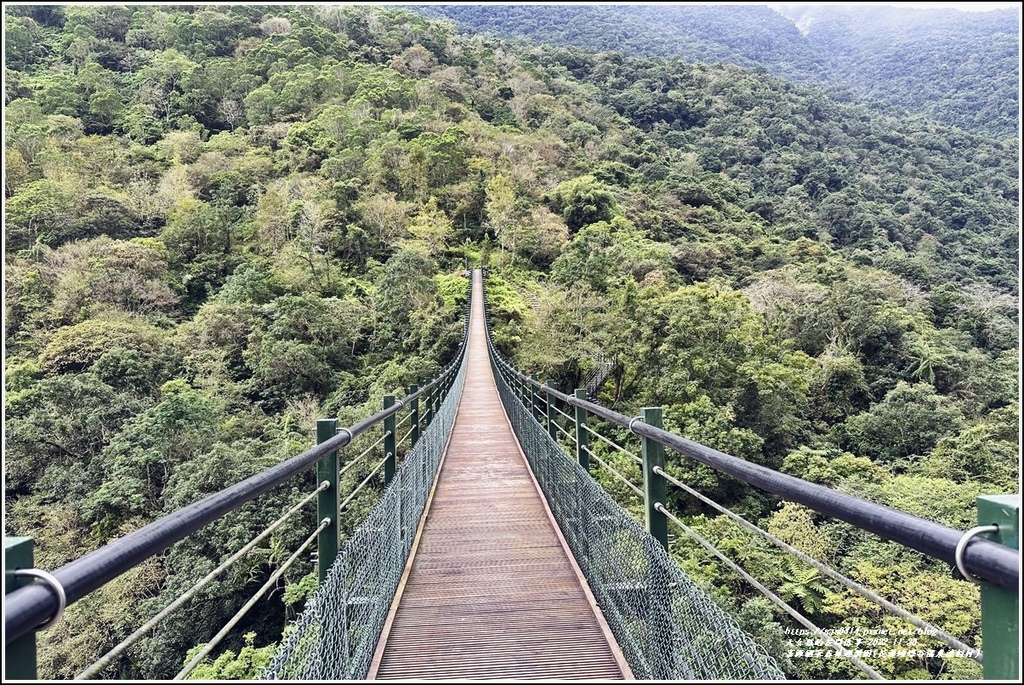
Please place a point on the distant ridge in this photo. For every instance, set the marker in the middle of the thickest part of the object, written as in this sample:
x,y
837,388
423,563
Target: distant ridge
x,y
959,68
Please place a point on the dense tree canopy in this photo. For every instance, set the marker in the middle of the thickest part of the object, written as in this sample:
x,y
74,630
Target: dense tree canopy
x,y
960,68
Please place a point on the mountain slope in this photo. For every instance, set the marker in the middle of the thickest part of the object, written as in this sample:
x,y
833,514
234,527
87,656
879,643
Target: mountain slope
x,y
957,67
961,68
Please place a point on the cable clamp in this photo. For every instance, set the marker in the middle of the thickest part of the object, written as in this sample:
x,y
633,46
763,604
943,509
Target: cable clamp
x,y
53,584
348,432
635,418
961,545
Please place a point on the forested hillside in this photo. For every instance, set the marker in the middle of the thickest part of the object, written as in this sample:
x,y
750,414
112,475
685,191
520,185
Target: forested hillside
x,y
959,68
222,223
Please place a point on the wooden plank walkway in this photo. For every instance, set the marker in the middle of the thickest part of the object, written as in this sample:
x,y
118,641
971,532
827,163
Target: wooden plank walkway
x,y
491,591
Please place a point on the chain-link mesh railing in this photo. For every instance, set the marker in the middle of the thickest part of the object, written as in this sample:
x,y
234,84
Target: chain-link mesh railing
x,y
666,625
335,636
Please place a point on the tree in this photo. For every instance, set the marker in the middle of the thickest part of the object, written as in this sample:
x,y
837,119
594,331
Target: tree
x,y
299,344
385,216
402,294
105,109
248,664
908,422
161,82
199,237
89,276
56,428
582,201
76,348
16,171
431,229
986,452
505,216
41,212
143,455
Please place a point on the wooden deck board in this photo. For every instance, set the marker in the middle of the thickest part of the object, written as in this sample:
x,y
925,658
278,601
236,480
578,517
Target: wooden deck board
x,y
492,592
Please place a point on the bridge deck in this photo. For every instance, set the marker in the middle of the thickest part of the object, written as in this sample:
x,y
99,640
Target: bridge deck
x,y
491,590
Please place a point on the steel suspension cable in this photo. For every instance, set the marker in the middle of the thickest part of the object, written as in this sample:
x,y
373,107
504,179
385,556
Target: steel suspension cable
x,y
849,583
616,445
571,418
407,434
366,480
565,432
614,472
248,605
775,599
109,657
368,449
362,454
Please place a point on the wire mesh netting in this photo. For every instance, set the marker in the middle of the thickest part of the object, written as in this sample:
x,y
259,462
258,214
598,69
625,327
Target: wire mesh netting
x,y
666,625
335,636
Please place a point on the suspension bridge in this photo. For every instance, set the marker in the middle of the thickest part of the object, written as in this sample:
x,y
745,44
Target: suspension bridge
x,y
494,554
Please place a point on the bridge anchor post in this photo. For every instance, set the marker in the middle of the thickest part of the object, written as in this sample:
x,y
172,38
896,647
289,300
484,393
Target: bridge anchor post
x,y
654,485
390,444
414,417
327,500
581,431
549,405
20,655
1000,607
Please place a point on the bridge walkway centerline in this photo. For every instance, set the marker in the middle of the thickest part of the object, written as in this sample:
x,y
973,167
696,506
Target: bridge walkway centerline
x,y
491,590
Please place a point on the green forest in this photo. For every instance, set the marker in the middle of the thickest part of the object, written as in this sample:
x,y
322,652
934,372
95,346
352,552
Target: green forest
x,y
225,222
959,68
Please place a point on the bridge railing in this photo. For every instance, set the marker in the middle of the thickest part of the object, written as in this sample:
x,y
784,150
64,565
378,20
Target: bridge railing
x,y
335,635
993,563
667,627
410,429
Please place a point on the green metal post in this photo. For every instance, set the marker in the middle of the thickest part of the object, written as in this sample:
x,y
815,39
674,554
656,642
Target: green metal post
x,y
414,417
389,441
581,433
654,485
535,401
549,404
426,406
435,401
20,655
1000,607
327,500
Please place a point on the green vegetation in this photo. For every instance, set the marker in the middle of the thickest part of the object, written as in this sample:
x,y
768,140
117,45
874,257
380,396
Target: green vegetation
x,y
959,68
225,222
